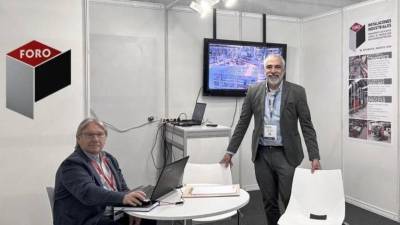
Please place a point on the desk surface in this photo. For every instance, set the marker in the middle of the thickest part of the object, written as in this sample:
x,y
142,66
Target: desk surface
x,y
193,208
199,131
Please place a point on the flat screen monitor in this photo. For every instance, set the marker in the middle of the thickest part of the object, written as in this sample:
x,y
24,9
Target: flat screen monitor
x,y
231,66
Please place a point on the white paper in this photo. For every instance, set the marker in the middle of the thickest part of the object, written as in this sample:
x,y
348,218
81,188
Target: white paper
x,y
220,189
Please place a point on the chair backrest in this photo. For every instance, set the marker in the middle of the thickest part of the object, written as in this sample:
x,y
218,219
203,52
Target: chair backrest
x,y
214,173
50,194
320,193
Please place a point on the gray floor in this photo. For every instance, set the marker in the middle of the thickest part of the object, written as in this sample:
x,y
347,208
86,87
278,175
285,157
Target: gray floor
x,y
253,215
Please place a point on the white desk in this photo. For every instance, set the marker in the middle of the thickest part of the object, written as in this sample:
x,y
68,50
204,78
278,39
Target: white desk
x,y
203,144
178,136
193,208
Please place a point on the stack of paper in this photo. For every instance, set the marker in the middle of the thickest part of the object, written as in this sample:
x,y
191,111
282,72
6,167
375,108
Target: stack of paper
x,y
192,191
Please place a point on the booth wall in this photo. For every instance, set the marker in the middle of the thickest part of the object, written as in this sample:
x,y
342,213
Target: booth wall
x,y
370,170
127,81
321,69
32,149
185,61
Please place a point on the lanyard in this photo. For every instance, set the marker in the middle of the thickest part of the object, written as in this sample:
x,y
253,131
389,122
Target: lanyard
x,y
110,180
271,104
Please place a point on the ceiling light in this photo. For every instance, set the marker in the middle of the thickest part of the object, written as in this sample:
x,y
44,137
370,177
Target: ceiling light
x,y
203,8
229,3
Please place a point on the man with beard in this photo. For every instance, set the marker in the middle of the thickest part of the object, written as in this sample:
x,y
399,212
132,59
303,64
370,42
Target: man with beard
x,y
277,107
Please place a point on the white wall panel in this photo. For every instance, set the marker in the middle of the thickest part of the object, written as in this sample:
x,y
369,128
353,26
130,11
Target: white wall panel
x,y
321,76
371,168
32,149
128,80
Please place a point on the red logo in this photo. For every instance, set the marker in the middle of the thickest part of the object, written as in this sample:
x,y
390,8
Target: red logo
x,y
34,53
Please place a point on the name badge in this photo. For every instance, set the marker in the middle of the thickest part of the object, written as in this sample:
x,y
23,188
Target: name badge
x,y
270,132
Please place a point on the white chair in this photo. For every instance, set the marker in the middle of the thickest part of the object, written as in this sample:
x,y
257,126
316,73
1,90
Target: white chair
x,y
316,199
50,194
208,174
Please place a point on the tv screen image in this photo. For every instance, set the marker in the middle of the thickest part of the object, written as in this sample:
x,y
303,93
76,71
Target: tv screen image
x,y
231,66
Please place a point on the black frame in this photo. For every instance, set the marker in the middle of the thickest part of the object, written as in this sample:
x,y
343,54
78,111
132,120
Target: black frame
x,y
230,92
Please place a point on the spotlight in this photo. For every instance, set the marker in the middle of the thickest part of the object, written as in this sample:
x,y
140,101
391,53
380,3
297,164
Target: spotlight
x,y
203,8
229,3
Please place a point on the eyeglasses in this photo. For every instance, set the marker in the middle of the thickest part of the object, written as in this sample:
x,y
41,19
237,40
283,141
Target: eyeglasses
x,y
93,136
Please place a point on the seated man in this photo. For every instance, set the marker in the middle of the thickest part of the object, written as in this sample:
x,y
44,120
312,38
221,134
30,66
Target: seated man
x,y
90,181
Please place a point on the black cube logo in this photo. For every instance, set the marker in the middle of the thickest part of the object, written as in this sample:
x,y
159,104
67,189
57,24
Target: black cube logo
x,y
356,36
35,71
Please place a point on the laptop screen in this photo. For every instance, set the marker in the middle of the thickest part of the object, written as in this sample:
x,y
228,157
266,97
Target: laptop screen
x,y
198,112
170,178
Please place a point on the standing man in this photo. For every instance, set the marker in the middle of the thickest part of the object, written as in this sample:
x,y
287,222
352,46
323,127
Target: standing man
x,y
277,107
90,181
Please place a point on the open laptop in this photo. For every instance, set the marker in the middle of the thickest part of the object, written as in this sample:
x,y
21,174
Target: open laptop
x,y
197,116
170,178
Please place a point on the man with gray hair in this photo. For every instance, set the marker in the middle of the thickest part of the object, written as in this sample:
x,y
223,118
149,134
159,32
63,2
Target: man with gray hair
x,y
277,107
90,181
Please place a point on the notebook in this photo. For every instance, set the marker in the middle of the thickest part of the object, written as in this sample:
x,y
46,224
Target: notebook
x,y
169,179
197,116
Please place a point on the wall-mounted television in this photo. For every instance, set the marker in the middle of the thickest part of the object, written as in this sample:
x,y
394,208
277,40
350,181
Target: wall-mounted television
x,y
231,66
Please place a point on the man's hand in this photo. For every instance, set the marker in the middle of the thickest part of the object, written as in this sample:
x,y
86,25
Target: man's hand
x,y
134,198
315,165
227,160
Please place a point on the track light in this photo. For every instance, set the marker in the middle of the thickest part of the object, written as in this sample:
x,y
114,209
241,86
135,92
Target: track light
x,y
204,7
229,3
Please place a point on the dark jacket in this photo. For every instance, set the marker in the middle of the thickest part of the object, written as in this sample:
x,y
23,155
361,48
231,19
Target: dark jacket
x,y
294,108
79,197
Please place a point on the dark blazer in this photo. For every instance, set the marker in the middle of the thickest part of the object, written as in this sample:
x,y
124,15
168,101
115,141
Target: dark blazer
x,y
79,197
294,108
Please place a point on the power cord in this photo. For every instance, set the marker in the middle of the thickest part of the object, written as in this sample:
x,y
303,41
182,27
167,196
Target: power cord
x,y
114,128
152,148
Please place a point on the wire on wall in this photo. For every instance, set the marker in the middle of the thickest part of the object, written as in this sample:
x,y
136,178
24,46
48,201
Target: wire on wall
x,y
114,128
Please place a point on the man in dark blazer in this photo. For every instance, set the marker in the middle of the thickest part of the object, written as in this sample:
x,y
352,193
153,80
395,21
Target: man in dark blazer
x,y
90,181
277,107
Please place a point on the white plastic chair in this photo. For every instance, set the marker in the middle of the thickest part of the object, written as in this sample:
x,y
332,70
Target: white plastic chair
x,y
50,194
315,196
208,174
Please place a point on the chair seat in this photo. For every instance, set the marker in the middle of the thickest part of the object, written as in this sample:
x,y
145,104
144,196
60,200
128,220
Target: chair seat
x,y
215,218
301,219
320,193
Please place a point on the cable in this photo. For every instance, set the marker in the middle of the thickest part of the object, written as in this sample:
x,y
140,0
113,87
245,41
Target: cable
x,y
180,114
114,128
152,148
234,114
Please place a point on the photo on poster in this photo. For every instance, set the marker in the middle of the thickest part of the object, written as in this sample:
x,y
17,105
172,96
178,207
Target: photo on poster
x,y
358,98
358,67
358,128
379,131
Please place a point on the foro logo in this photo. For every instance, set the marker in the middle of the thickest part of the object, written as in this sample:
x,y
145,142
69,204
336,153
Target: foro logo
x,y
37,53
35,71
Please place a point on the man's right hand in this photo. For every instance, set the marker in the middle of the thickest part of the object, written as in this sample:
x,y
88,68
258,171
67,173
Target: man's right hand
x,y
227,160
134,198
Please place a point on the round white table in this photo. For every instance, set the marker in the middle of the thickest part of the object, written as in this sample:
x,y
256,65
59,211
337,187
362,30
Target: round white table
x,y
193,208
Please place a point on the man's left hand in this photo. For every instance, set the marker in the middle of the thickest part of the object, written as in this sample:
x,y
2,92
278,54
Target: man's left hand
x,y
315,165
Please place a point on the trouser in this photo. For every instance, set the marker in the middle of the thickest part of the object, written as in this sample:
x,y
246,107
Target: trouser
x,y
274,176
105,220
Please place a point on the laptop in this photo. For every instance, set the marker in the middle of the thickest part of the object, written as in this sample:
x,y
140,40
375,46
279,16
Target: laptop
x,y
169,179
197,116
